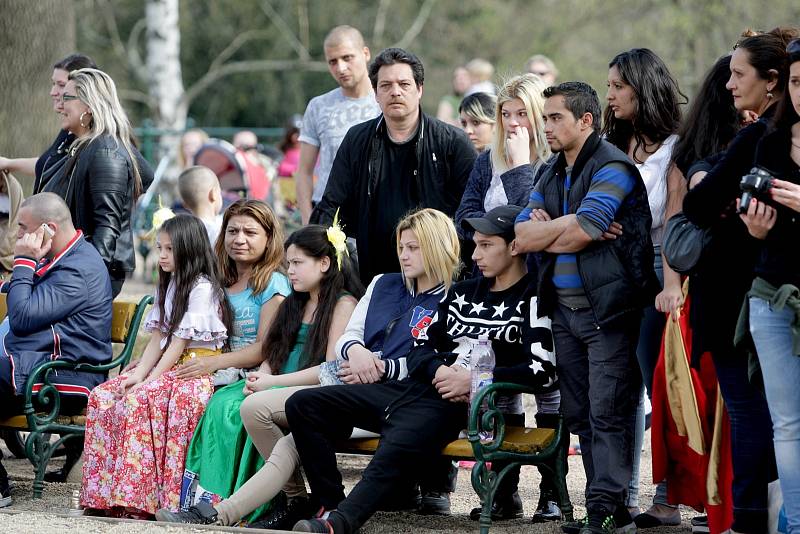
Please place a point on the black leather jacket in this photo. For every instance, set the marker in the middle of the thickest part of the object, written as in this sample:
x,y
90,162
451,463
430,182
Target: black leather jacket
x,y
97,183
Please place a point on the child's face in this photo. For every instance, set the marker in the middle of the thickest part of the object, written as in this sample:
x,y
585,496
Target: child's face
x,y
166,260
305,272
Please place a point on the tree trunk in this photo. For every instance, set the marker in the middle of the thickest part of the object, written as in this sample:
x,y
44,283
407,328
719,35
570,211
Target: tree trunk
x,y
165,81
33,36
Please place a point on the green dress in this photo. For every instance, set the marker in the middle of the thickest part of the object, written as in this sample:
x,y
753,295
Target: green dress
x,y
221,456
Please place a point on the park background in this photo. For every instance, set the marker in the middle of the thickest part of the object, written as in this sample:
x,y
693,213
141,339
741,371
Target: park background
x,y
254,63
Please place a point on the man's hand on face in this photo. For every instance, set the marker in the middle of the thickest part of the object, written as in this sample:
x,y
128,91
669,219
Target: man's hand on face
x,y
33,245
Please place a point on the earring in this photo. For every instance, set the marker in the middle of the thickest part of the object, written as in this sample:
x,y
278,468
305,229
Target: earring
x,y
769,95
80,120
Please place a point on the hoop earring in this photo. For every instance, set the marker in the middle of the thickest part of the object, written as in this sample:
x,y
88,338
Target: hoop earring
x,y
80,120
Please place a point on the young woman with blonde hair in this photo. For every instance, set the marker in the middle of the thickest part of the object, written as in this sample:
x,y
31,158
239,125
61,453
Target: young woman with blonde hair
x,y
506,173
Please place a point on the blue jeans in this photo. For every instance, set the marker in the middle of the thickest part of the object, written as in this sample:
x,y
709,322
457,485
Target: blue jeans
x,y
781,369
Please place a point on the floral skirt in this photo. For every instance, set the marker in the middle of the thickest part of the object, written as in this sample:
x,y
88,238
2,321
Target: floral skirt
x,y
136,446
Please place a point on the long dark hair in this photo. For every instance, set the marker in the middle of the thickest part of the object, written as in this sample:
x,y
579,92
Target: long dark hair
x,y
711,122
193,260
282,335
787,115
658,101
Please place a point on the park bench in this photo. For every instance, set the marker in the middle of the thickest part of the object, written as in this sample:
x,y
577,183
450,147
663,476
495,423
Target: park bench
x,y
543,447
42,415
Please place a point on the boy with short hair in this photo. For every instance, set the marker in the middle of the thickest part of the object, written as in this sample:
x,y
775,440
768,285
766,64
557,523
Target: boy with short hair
x,y
202,196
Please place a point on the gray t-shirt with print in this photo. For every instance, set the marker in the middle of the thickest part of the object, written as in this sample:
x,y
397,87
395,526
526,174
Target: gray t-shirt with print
x,y
326,121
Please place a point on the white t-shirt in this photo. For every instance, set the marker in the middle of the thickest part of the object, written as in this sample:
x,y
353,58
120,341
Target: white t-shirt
x,y
326,121
654,174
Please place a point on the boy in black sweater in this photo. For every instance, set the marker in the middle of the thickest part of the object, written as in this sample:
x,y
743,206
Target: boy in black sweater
x,y
419,416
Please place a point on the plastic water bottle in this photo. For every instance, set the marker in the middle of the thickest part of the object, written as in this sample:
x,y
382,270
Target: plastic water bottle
x,y
482,362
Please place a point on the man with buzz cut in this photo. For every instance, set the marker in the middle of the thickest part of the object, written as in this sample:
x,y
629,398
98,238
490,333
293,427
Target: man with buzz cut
x,y
329,116
594,281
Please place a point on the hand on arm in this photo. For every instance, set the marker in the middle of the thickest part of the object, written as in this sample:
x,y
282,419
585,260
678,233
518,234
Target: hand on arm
x,y
361,367
244,358
304,179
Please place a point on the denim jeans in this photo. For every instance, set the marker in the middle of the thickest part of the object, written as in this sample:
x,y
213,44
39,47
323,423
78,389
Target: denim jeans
x,y
600,385
751,441
781,369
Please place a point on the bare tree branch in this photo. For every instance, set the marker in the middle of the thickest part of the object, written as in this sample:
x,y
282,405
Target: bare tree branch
x,y
419,23
107,11
235,45
237,67
283,27
137,96
380,23
302,23
134,58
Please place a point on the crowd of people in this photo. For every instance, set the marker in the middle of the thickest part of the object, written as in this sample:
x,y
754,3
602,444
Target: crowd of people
x,y
528,215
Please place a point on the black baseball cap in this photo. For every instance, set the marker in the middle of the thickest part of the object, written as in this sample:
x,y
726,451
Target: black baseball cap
x,y
498,221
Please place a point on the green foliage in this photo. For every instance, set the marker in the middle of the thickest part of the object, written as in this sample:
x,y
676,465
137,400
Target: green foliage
x,y
580,35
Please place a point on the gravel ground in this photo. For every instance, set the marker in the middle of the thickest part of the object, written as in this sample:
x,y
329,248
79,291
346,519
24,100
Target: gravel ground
x,y
33,516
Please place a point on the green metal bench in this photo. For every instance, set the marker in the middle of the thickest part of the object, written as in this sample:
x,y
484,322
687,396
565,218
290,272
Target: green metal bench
x,y
41,414
542,447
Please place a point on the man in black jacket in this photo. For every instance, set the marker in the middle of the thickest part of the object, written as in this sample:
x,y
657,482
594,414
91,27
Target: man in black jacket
x,y
594,284
390,165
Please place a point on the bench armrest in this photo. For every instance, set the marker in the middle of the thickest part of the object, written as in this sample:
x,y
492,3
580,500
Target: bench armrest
x,y
492,418
47,396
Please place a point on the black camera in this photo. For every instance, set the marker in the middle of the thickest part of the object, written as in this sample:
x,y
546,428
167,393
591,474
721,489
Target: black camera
x,y
754,185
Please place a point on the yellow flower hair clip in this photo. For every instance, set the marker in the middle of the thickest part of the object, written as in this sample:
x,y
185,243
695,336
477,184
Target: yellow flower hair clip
x,y
338,239
160,216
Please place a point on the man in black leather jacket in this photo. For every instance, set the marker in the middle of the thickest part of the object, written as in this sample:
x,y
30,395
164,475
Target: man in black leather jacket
x,y
390,165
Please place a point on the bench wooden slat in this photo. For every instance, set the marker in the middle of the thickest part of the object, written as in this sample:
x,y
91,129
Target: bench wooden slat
x,y
20,422
517,439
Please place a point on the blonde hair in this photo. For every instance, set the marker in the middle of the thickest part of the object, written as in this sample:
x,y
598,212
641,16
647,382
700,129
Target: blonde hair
x,y
270,262
480,70
438,241
182,163
528,88
97,91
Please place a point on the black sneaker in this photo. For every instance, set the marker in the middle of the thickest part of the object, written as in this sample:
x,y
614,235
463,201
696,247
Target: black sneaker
x,y
200,514
5,488
700,524
621,517
284,514
313,525
599,521
547,510
502,509
435,503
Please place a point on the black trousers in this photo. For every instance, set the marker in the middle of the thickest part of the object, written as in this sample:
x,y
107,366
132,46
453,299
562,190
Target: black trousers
x,y
600,385
415,425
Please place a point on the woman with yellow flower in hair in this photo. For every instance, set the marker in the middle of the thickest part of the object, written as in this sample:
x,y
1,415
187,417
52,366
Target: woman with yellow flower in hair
x,y
302,336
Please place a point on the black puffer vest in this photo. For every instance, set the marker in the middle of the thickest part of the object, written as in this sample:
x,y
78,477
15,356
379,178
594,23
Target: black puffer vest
x,y
617,275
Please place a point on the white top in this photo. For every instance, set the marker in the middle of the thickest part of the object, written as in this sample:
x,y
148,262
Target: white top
x,y
326,121
213,228
496,194
654,173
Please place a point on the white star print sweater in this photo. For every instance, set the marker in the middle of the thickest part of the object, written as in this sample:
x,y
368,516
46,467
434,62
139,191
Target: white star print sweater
x,y
522,343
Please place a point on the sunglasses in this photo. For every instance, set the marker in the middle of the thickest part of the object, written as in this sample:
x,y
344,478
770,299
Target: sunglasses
x,y
66,98
793,47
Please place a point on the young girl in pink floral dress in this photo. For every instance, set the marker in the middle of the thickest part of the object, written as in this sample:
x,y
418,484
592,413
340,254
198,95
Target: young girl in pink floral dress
x,y
139,425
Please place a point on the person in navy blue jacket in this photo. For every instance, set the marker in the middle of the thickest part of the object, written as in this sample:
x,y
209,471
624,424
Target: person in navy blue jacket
x,y
59,306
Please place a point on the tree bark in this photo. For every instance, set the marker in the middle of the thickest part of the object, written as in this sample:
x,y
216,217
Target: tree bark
x,y
33,36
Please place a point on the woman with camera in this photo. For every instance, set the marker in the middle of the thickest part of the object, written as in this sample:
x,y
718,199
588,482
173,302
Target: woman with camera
x,y
758,70
774,299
